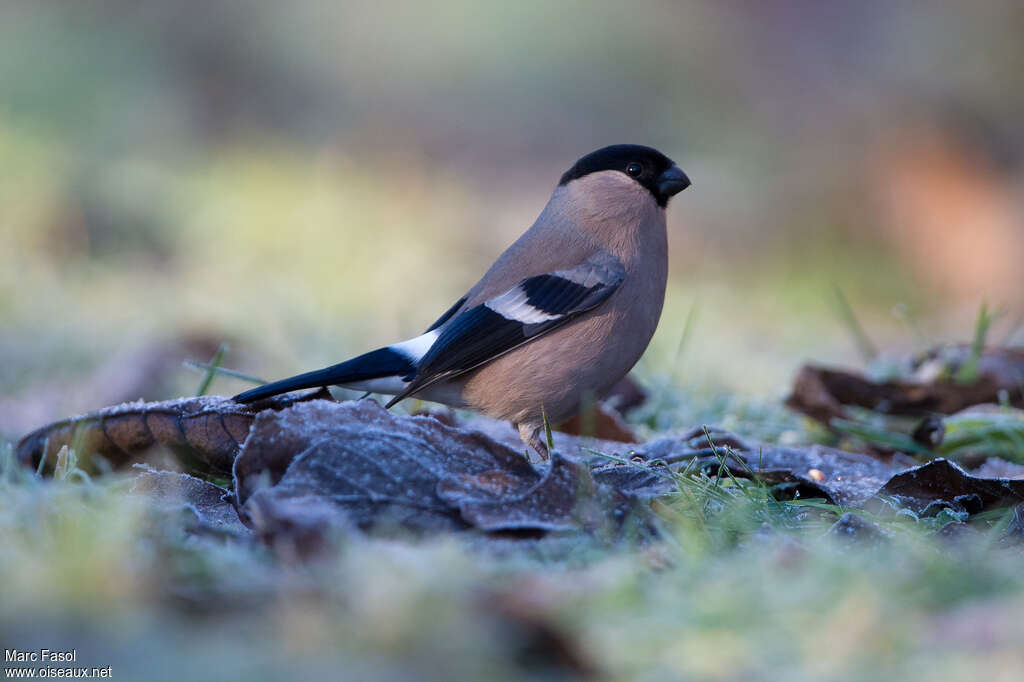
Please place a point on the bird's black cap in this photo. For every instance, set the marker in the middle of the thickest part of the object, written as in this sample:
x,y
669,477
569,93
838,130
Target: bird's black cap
x,y
649,167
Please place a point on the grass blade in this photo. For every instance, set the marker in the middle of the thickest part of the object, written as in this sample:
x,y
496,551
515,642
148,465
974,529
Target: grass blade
x,y
867,349
968,372
211,372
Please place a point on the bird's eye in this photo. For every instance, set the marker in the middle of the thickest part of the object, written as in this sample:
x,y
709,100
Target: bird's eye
x,y
634,169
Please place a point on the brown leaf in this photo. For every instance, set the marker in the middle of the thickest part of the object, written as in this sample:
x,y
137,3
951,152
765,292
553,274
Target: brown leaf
x,y
205,434
846,478
376,469
941,484
599,422
308,469
205,503
370,465
626,395
855,528
554,503
823,393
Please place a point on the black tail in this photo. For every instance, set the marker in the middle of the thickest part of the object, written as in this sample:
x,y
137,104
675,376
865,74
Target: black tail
x,y
383,362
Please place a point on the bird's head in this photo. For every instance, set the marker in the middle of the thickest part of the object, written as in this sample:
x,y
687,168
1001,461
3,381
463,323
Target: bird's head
x,y
630,166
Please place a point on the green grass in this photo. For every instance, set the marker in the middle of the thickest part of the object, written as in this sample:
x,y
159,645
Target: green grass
x,y
968,373
995,431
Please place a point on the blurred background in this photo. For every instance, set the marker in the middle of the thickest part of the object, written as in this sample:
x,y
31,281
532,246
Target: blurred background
x,y
311,179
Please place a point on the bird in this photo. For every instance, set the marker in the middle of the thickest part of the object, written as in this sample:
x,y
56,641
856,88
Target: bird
x,y
559,318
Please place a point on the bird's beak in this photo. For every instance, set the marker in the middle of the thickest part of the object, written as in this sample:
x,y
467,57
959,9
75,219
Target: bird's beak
x,y
672,181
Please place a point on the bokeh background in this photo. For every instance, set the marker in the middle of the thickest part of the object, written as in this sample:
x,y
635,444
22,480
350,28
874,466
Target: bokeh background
x,y
310,179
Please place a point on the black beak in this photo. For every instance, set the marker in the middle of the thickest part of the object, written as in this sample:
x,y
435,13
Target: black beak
x,y
672,182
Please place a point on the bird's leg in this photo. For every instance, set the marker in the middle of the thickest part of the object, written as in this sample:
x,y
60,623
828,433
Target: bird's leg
x,y
531,435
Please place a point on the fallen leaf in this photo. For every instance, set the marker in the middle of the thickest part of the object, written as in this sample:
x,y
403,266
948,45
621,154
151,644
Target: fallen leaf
x,y
940,484
305,470
855,528
377,469
599,422
824,393
206,504
204,434
846,478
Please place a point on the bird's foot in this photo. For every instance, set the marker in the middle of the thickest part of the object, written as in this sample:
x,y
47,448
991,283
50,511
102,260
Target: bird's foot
x,y
531,435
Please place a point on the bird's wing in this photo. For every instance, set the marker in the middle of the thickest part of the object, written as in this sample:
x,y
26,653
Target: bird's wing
x,y
533,307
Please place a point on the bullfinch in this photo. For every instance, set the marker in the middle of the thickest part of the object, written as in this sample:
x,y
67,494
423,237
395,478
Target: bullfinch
x,y
561,316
